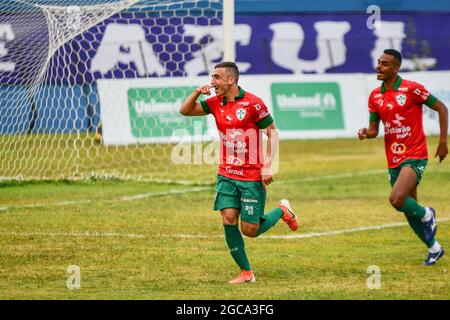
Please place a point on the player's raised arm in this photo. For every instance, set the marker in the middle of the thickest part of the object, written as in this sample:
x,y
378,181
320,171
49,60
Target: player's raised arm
x,y
442,149
191,107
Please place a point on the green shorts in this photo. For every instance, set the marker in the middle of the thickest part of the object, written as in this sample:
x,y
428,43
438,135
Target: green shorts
x,y
249,197
417,165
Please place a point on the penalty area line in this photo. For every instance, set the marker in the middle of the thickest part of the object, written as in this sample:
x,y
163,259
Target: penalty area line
x,y
96,234
179,191
343,231
120,199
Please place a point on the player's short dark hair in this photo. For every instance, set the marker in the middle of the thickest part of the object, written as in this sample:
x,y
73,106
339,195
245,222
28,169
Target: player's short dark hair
x,y
396,54
231,67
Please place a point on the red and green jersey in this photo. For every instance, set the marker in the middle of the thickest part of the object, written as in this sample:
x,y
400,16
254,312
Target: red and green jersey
x,y
239,123
400,110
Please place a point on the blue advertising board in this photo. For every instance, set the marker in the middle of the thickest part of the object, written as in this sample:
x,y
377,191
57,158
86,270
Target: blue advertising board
x,y
139,45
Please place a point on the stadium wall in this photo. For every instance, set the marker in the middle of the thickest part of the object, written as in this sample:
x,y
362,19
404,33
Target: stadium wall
x,y
296,40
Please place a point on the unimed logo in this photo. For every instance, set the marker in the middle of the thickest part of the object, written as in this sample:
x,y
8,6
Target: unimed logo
x,y
154,112
307,105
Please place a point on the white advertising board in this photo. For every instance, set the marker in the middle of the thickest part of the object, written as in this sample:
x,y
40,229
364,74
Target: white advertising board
x,y
304,106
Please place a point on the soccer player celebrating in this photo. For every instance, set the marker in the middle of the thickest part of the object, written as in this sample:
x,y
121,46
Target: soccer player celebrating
x,y
398,103
243,172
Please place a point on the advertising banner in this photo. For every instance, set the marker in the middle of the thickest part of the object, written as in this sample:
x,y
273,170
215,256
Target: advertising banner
x,y
147,111
307,107
154,112
140,45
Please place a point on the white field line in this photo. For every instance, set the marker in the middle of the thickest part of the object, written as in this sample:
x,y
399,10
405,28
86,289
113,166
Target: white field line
x,y
182,191
95,234
336,176
122,198
336,232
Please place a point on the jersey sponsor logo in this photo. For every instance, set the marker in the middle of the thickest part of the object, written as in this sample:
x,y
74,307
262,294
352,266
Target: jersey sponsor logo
x,y
390,106
400,130
237,172
398,148
240,114
237,146
235,133
229,118
235,161
404,89
244,103
257,107
401,99
263,114
398,119
422,94
396,160
249,200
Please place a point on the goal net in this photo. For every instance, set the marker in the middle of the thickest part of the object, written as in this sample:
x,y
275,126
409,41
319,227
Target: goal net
x,y
92,88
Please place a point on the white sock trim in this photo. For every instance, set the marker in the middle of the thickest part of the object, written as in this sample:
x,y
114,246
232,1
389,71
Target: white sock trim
x,y
428,215
435,248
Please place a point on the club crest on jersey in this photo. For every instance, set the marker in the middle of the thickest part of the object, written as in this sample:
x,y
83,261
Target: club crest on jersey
x,y
401,99
240,114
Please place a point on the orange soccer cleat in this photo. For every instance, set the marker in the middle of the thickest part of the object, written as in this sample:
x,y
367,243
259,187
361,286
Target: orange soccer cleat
x,y
288,215
243,277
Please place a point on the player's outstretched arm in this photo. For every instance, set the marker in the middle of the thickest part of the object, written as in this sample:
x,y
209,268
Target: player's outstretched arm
x,y
191,107
442,149
371,132
272,147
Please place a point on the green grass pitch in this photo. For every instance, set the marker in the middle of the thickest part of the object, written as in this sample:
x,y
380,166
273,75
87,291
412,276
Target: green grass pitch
x,y
141,240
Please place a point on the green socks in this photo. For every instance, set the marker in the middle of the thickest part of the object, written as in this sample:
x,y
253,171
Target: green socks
x,y
235,241
236,244
412,209
417,226
414,212
269,220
